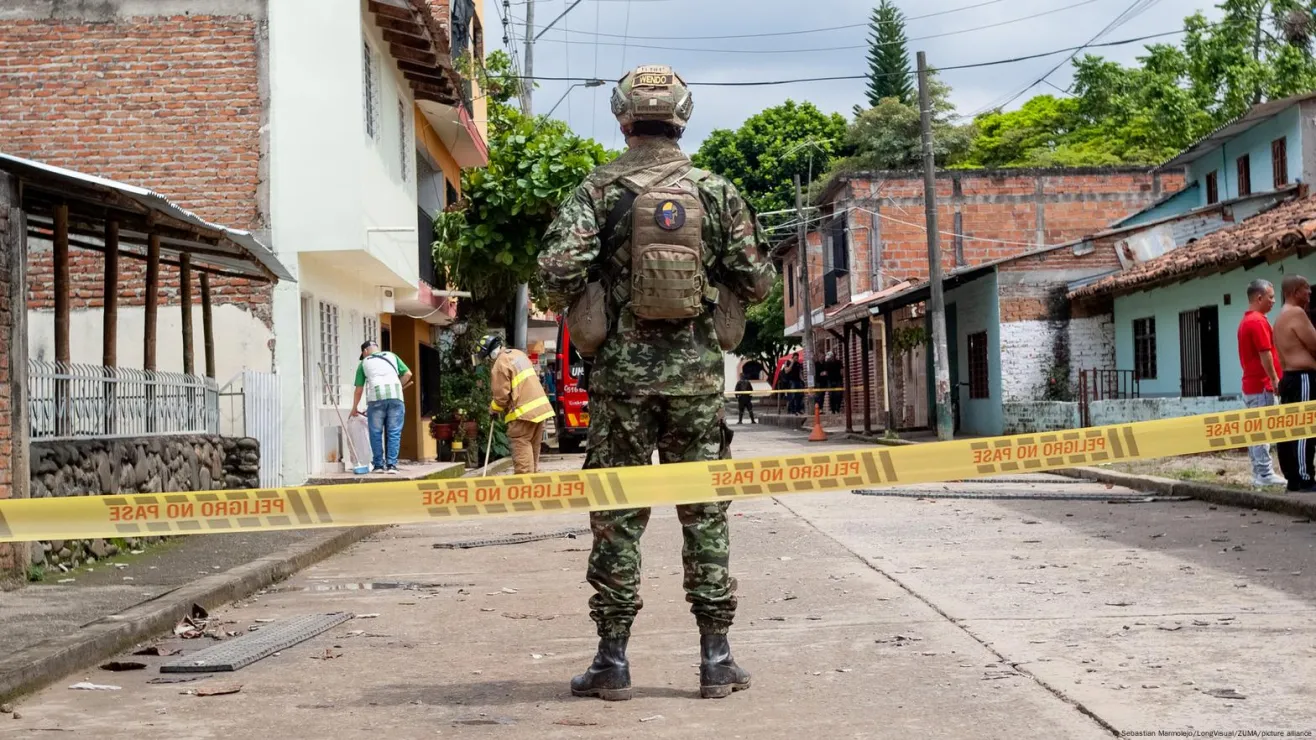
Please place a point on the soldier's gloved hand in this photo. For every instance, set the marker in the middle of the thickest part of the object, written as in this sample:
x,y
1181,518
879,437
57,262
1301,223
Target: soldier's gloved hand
x,y
493,415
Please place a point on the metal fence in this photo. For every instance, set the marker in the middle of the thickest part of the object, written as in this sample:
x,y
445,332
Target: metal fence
x,y
1104,385
70,401
251,408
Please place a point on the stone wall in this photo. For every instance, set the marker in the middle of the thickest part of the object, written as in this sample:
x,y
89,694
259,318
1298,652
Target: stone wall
x,y
137,465
1027,417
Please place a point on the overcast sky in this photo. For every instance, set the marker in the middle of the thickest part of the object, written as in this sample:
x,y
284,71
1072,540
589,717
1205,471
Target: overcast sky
x,y
672,24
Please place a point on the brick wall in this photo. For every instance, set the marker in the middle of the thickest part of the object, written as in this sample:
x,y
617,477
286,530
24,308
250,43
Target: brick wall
x,y
168,103
1019,209
1027,417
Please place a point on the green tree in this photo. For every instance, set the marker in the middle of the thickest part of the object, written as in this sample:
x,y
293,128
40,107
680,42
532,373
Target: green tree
x,y
769,149
1145,113
888,56
765,330
888,136
489,242
761,158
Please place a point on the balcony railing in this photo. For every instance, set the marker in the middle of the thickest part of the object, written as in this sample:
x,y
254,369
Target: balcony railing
x,y
69,401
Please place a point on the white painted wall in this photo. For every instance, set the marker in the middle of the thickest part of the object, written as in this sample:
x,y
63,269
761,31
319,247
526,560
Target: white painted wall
x,y
330,185
1027,352
1091,345
241,339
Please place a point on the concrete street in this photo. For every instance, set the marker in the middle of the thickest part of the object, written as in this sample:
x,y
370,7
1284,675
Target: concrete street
x,y
860,617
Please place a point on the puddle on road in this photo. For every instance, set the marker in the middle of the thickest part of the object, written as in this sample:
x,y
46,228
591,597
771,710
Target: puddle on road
x,y
364,586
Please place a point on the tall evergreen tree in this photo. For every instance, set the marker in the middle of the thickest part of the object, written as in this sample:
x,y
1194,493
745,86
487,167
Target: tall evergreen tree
x,y
888,56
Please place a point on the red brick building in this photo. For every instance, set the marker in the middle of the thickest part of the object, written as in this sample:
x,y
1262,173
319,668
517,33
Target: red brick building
x,y
173,103
868,241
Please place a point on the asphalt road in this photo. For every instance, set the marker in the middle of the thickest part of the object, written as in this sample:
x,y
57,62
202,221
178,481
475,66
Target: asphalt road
x,y
860,617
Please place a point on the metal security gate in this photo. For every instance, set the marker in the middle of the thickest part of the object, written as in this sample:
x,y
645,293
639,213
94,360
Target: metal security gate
x,y
257,416
1199,352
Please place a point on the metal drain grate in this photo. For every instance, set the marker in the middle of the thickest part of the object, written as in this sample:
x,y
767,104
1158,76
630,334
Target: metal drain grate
x,y
515,539
251,647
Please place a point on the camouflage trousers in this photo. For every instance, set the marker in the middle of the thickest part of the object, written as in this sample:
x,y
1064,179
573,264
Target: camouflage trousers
x,y
623,432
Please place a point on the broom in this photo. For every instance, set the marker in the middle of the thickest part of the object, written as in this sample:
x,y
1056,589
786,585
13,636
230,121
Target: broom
x,y
360,469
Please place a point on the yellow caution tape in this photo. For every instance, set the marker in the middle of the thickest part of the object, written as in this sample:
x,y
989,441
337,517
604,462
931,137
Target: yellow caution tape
x,y
405,502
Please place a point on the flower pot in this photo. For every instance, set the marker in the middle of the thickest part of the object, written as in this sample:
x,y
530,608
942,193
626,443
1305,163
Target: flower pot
x,y
443,431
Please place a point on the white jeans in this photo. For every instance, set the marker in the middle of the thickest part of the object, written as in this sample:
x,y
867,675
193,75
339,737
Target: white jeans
x,y
1260,454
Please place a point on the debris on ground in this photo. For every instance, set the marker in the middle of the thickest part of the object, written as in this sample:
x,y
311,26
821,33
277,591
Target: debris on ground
x,y
538,617
650,719
89,686
1119,603
327,655
1225,694
123,665
6,708
156,650
576,723
367,616
181,679
220,690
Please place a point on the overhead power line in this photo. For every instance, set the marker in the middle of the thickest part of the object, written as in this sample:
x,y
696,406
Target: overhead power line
x,y
627,43
975,65
846,27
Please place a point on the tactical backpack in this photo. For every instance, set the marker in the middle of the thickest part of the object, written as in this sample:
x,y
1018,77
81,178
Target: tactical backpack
x,y
661,272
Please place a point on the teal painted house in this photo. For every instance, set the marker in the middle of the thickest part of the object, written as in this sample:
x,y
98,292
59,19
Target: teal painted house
x,y
1176,305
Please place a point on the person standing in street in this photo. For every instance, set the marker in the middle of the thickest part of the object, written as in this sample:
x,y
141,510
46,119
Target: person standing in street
x,y
1295,339
660,249
386,377
520,399
1260,361
744,401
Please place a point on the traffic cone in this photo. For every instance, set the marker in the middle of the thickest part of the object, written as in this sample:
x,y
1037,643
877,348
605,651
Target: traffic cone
x,y
818,435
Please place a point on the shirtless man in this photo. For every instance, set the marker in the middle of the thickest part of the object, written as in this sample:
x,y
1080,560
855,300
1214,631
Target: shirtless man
x,y
1295,338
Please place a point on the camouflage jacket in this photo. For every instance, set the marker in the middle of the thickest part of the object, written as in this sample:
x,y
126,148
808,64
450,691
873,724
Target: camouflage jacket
x,y
669,358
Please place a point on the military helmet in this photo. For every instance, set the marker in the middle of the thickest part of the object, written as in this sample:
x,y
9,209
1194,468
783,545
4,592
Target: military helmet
x,y
652,93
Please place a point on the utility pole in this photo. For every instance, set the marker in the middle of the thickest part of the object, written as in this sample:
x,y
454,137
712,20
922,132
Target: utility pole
x,y
937,312
802,231
521,318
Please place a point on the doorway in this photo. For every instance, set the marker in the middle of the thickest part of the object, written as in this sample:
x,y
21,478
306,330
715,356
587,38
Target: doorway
x,y
1199,352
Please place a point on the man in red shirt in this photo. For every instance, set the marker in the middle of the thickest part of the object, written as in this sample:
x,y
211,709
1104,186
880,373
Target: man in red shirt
x,y
1256,353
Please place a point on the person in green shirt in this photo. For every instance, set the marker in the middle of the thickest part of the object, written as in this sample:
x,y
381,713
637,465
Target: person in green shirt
x,y
386,376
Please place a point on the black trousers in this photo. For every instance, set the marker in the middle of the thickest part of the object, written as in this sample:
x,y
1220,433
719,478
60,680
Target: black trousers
x,y
746,404
1296,458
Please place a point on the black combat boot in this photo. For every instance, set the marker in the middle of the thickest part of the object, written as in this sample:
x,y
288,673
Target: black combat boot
x,y
609,676
718,673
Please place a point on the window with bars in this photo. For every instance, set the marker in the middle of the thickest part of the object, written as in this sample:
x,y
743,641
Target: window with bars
x,y
1244,175
978,383
370,90
1144,348
370,329
330,353
1279,161
1212,188
404,140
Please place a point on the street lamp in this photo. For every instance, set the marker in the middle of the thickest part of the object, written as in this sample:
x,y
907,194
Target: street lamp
x,y
587,83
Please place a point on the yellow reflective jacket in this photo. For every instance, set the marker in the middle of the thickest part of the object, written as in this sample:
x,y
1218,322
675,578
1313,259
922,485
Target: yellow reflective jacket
x,y
516,389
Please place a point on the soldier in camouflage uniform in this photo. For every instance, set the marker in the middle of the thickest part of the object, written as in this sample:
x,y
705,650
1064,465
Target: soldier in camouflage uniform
x,y
655,384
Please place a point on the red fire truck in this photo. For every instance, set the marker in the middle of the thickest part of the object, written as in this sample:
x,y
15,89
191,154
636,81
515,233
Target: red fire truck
x,y
572,401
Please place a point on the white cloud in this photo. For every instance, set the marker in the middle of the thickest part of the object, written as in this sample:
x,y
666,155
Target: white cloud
x,y
672,23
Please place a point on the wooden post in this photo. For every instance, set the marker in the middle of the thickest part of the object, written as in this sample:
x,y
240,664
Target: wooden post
x,y
890,343
846,383
110,325
207,325
185,306
866,335
152,300
152,306
62,350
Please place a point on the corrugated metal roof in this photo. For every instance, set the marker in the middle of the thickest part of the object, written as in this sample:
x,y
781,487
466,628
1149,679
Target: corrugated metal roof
x,y
153,201
1212,141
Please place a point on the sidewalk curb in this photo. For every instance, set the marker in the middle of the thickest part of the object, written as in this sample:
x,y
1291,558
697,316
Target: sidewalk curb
x,y
1291,505
40,665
